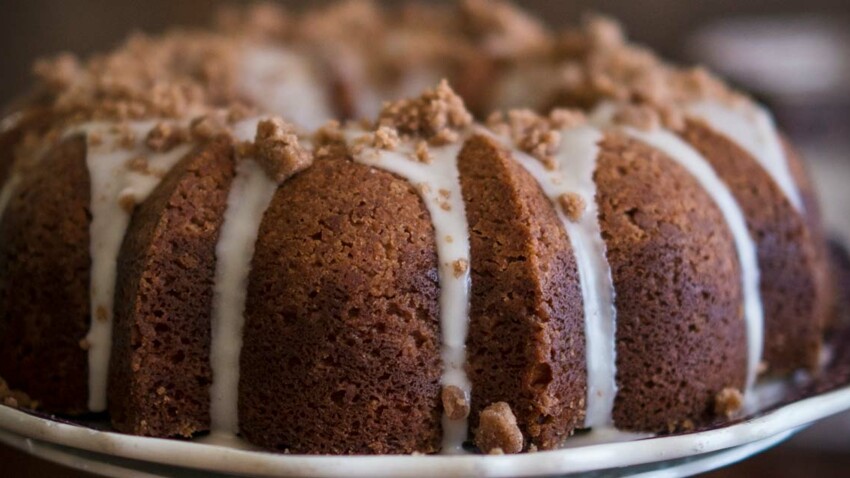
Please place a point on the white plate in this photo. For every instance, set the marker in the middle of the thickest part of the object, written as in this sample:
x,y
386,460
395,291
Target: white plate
x,y
108,465
115,454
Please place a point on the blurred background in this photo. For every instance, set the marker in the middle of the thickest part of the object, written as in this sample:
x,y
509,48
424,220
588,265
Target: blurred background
x,y
792,54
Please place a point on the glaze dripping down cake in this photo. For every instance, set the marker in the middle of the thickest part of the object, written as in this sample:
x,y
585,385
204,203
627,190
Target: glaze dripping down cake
x,y
359,231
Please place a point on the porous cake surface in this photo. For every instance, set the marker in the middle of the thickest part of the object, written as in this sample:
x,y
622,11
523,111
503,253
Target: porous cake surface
x,y
429,229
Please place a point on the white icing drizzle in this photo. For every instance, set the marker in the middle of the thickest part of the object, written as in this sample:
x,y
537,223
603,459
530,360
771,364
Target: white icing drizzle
x,y
111,182
283,82
689,158
439,185
250,195
576,159
752,127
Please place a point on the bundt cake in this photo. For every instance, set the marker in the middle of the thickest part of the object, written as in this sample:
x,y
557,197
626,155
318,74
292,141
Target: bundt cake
x,y
268,229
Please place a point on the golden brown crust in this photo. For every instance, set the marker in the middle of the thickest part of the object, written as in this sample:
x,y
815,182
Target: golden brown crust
x,y
681,335
526,331
341,344
159,372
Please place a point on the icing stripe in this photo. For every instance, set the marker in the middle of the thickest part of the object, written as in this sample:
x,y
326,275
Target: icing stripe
x,y
250,195
753,129
439,185
112,182
576,159
685,155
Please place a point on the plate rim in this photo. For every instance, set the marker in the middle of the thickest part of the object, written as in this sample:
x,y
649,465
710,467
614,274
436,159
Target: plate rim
x,y
201,456
111,466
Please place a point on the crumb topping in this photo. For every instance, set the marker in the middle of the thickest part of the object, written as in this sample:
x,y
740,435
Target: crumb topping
x,y
384,137
537,135
641,117
186,74
330,141
165,136
278,151
597,63
167,76
503,30
685,425
59,73
498,431
208,126
423,154
437,116
728,402
455,403
573,206
459,267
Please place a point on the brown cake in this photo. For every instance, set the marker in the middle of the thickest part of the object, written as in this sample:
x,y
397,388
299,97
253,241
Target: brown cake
x,y
363,231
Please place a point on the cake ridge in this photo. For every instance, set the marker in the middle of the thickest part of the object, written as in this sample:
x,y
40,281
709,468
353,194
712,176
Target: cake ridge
x,y
681,152
438,183
571,173
116,188
250,194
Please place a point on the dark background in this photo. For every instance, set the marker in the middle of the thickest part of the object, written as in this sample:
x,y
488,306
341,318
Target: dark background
x,y
816,114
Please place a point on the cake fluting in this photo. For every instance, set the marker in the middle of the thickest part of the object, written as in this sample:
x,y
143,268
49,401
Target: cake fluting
x,y
366,231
